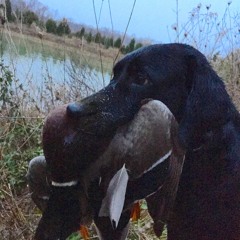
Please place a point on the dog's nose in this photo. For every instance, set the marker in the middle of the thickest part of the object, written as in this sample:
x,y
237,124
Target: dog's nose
x,y
76,110
79,110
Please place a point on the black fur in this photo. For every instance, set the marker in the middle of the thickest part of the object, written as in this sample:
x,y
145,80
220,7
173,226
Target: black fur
x,y
208,199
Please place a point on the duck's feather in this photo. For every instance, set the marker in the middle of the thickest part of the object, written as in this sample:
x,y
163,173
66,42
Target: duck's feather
x,y
112,204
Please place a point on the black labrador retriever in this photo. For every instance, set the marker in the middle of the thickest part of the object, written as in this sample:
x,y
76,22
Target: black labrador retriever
x,y
208,200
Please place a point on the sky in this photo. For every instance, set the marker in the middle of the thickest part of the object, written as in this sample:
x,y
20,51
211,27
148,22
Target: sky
x,y
151,19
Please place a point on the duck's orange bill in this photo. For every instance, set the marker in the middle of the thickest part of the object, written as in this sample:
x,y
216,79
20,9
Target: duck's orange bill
x,y
84,232
135,214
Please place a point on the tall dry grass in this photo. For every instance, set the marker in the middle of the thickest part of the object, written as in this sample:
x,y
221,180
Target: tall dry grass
x,y
218,37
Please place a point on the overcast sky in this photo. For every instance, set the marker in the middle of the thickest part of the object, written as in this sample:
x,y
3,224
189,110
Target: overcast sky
x,y
151,19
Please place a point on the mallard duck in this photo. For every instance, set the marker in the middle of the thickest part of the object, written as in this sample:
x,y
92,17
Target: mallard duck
x,y
141,160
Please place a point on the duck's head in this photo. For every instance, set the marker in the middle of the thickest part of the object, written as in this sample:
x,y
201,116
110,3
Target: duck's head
x,y
70,145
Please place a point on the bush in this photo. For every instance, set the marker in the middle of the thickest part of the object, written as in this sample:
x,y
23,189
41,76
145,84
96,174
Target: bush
x,y
20,144
19,137
6,79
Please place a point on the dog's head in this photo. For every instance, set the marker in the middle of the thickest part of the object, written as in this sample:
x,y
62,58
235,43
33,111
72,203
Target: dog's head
x,y
176,74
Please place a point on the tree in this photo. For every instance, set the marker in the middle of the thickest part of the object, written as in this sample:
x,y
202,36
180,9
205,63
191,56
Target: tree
x,y
126,49
98,38
88,37
117,43
131,45
111,41
63,28
2,14
51,26
103,40
80,33
9,10
138,45
123,49
29,17
108,42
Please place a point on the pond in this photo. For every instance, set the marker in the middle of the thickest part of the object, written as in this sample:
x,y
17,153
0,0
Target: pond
x,y
39,66
37,69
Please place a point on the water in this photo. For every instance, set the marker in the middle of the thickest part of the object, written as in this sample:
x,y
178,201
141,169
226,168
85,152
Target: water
x,y
43,68
37,70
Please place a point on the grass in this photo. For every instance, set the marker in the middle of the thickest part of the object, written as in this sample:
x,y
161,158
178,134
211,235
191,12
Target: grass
x,y
23,109
139,230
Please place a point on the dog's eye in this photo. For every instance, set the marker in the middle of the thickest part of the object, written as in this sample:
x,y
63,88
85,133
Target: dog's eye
x,y
143,81
146,82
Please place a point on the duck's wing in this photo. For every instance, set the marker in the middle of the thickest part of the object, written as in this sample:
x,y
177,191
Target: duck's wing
x,y
161,203
149,183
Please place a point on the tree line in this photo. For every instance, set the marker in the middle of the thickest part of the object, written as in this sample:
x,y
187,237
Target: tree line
x,y
61,28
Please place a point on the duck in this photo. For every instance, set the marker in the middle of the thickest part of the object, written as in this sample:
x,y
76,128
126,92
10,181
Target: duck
x,y
100,179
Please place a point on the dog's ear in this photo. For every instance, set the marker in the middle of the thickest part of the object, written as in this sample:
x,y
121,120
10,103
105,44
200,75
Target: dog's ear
x,y
208,104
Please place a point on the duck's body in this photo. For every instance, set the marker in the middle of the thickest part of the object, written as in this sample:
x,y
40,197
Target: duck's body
x,y
142,157
144,142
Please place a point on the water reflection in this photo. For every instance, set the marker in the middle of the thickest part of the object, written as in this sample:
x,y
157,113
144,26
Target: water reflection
x,y
38,69
46,74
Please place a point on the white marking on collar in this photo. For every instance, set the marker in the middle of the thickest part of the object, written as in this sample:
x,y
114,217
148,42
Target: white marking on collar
x,y
64,184
162,159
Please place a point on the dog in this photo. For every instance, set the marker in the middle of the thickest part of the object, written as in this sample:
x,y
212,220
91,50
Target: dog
x,y
207,206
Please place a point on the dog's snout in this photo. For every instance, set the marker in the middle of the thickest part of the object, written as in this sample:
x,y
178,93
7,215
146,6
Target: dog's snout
x,y
75,109
80,110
